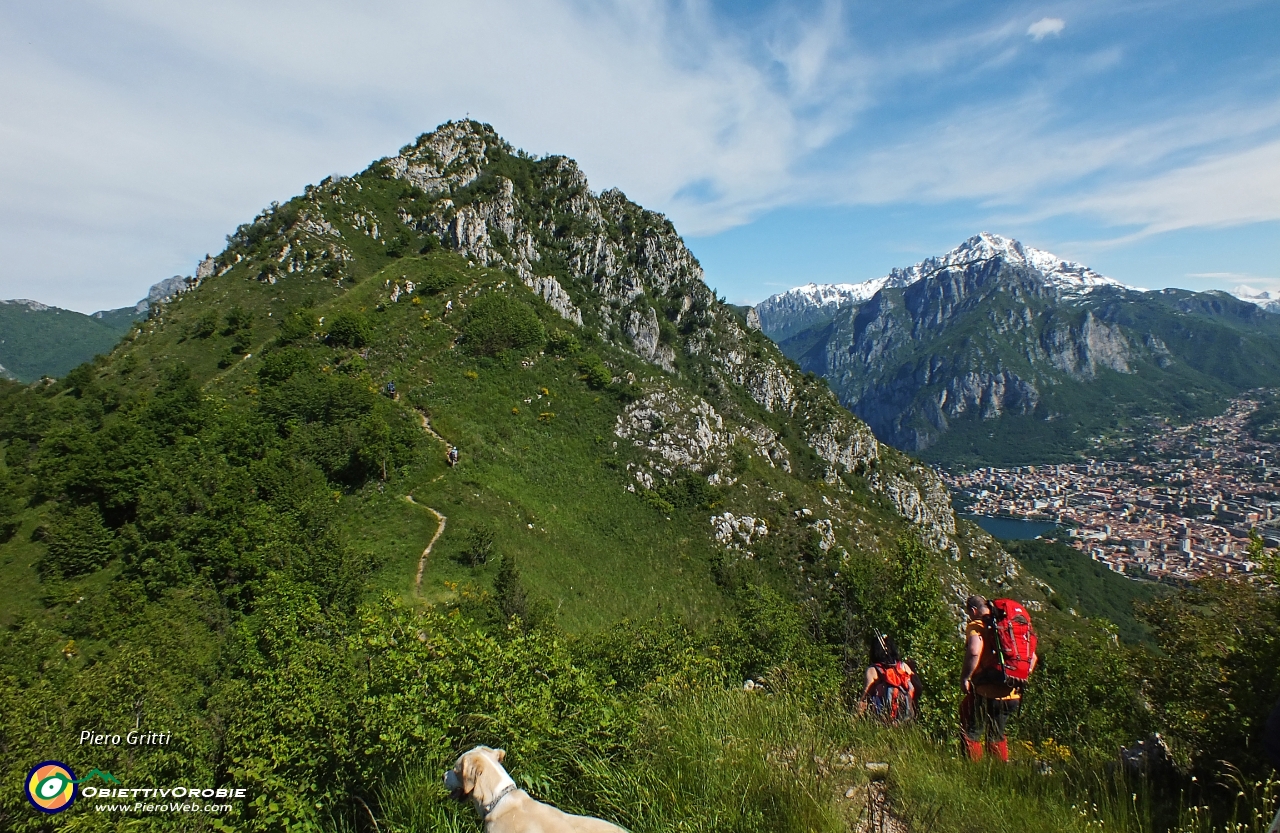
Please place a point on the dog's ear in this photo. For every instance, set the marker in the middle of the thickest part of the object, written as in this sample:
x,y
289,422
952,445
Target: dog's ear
x,y
500,754
470,772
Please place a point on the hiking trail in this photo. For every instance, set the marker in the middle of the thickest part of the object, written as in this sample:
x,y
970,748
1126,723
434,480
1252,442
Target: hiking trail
x,y
422,561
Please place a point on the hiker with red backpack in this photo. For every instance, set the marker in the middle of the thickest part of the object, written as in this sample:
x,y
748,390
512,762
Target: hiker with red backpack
x,y
1000,654
892,690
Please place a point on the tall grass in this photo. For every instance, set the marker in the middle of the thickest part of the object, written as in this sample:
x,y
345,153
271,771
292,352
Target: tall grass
x,y
747,762
1253,807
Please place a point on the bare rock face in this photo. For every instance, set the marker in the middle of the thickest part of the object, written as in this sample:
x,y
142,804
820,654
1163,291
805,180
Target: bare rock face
x,y
682,432
643,330
737,533
1080,351
450,157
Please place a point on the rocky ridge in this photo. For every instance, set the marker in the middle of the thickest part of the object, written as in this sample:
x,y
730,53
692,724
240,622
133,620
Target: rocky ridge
x,y
627,269
600,261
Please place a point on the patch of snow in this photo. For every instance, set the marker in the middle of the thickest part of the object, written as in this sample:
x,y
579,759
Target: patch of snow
x,y
1269,301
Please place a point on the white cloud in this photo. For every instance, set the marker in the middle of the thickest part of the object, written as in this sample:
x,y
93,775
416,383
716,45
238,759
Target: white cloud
x,y
1222,190
1046,26
173,123
137,135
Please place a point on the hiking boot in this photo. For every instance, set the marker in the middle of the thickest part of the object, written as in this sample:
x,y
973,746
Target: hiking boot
x,y
999,750
972,748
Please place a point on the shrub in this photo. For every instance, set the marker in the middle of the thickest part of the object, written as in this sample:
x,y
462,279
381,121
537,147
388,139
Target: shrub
x,y
295,326
437,281
205,326
397,245
498,323
238,318
593,371
563,343
281,365
479,546
242,342
349,329
513,598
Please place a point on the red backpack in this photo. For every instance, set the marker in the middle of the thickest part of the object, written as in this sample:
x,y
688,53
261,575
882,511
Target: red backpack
x,y
1014,642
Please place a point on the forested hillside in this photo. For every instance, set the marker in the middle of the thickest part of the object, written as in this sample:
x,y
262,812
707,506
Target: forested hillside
x,y
240,529
38,340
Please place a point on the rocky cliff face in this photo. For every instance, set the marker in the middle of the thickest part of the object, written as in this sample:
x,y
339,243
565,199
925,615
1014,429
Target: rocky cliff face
x,y
994,330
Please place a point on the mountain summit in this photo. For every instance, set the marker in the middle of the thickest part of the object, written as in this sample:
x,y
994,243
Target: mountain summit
x,y
933,354
787,313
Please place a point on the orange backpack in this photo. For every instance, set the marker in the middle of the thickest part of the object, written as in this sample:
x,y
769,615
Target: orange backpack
x,y
894,696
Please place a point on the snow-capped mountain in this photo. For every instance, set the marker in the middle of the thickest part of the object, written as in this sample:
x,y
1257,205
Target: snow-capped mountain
x,y
994,330
1269,301
1064,275
800,308
803,307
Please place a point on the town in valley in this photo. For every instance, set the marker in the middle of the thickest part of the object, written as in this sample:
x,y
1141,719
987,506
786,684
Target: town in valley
x,y
1179,503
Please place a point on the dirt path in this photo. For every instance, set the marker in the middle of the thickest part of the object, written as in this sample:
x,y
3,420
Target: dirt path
x,y
877,815
422,562
426,426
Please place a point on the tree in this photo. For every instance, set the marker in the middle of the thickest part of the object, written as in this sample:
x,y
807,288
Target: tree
x,y
78,542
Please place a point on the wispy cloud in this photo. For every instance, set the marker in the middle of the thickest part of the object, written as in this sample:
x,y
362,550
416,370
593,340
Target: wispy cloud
x,y
1046,26
137,132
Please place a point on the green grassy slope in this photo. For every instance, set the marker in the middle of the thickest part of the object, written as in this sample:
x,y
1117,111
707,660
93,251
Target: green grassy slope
x,y
51,341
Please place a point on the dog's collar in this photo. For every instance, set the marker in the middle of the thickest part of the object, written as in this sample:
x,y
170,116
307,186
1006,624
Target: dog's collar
x,y
488,809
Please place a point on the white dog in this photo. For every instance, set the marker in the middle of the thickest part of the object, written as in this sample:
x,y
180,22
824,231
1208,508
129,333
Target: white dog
x,y
506,808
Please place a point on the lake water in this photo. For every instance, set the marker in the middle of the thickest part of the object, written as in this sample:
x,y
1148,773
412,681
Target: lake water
x,y
1012,529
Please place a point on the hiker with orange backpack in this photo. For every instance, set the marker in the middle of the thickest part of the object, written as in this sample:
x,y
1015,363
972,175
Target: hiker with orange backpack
x,y
892,688
1000,654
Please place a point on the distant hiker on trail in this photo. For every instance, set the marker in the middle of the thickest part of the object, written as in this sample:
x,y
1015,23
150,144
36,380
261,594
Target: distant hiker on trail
x,y
448,306
1000,654
892,688
451,456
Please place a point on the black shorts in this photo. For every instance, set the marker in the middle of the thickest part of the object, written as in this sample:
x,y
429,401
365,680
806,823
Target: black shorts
x,y
983,715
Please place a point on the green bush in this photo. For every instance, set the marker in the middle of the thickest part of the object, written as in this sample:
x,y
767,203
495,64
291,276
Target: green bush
x,y
594,371
479,546
437,280
563,343
206,325
497,323
238,318
349,329
295,326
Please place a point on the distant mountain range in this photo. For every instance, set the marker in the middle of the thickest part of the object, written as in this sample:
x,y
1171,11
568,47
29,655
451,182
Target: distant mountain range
x,y
39,340
998,352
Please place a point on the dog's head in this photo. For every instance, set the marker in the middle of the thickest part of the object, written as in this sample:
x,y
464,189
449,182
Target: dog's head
x,y
471,768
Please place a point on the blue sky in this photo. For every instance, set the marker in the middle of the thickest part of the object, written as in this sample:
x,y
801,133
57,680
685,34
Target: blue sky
x,y
789,142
